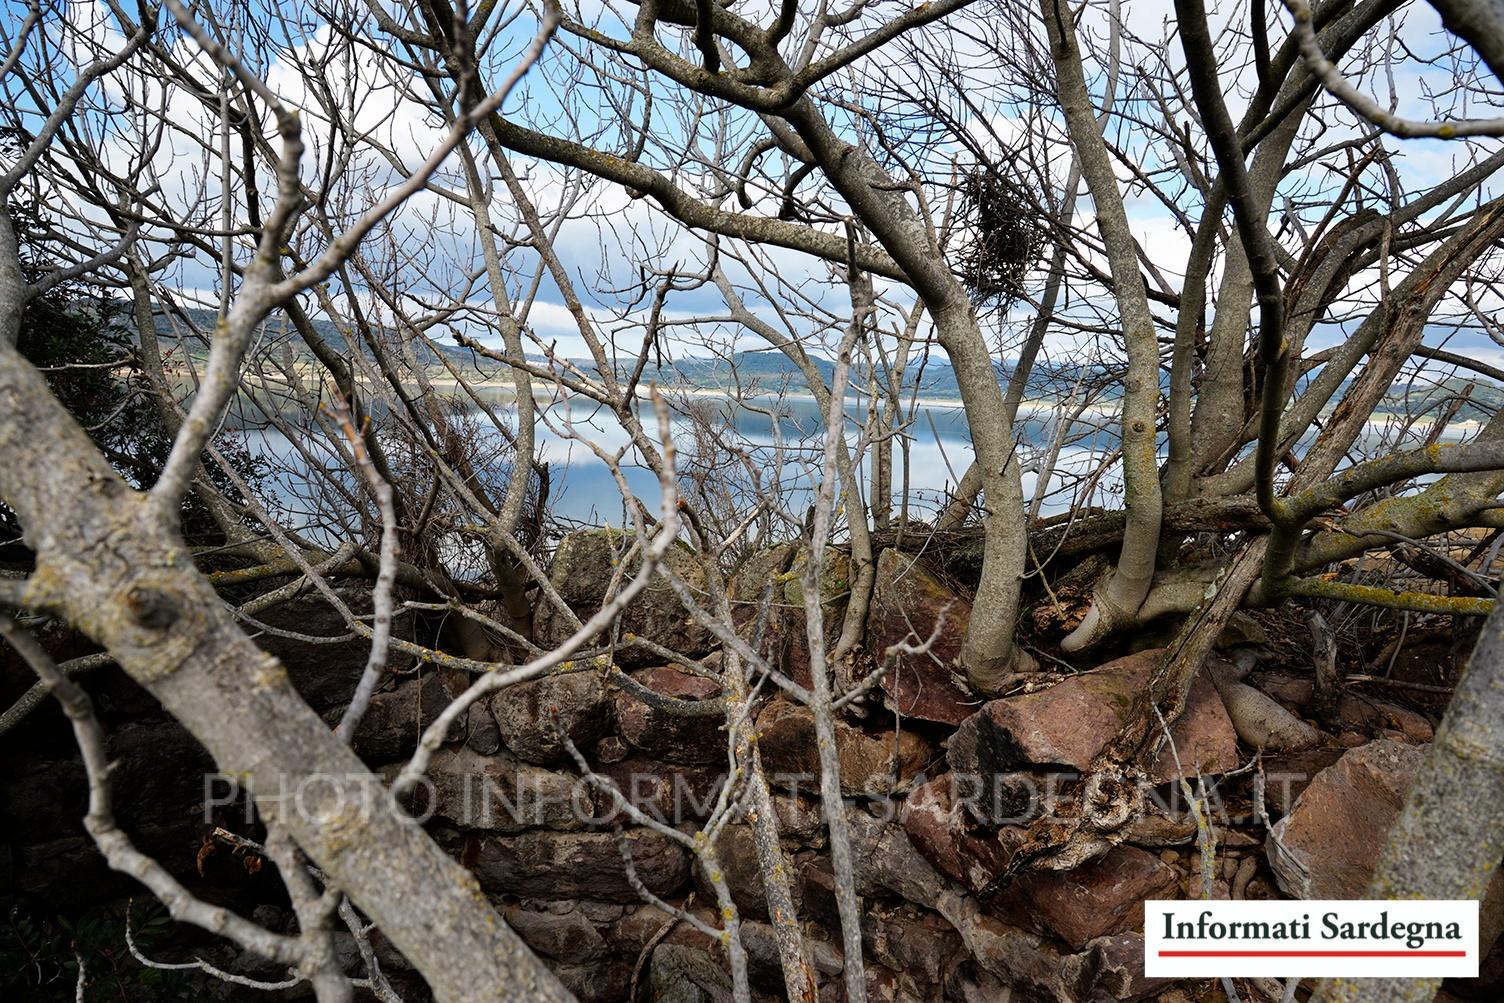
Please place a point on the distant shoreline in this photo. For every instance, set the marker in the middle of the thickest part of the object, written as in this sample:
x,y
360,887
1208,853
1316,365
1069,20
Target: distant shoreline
x,y
501,391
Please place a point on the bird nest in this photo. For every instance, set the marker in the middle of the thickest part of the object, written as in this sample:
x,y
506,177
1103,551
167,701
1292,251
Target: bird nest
x,y
1005,237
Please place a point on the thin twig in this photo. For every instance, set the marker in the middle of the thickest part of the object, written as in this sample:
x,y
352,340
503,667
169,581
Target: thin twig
x,y
381,599
1332,79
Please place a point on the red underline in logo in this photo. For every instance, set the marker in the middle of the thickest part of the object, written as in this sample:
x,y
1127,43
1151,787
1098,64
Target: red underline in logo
x,y
1313,954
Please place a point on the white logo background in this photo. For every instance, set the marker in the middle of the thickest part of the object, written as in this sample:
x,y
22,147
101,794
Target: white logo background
x,y
1318,955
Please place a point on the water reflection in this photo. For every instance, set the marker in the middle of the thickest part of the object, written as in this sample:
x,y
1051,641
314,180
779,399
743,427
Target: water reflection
x,y
776,445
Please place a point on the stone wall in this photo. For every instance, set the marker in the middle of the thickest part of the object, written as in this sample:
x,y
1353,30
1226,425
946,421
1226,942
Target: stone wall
x,y
935,797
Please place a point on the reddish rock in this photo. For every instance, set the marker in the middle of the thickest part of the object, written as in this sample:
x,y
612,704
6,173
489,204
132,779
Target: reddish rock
x,y
942,832
870,763
665,734
1101,897
1069,723
1326,848
1378,715
1288,774
817,888
787,647
1329,844
1111,968
907,600
915,944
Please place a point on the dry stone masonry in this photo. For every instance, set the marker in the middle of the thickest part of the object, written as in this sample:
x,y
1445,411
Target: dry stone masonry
x,y
940,786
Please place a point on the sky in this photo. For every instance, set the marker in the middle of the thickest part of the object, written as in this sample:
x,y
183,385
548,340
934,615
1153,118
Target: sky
x,y
609,236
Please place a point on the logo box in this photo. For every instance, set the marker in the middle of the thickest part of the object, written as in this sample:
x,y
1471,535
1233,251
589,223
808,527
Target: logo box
x,y
1311,939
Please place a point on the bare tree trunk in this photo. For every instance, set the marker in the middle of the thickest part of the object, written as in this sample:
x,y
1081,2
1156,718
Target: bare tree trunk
x,y
988,652
510,511
1117,600
1181,443
965,494
151,360
110,564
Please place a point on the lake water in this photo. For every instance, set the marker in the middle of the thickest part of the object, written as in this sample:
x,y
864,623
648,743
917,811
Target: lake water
x,y
786,451
780,440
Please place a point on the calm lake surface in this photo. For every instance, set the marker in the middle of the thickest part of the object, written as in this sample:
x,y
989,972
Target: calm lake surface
x,y
780,440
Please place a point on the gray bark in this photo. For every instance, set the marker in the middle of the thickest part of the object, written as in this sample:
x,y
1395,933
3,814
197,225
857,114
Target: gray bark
x,y
112,567
1450,836
988,652
1123,593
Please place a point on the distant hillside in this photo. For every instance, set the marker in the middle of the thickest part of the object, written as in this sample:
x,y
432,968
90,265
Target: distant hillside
x,y
767,371
770,372
170,327
1485,398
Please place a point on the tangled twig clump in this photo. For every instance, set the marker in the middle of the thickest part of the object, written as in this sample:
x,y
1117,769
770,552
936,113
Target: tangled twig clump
x,y
1005,240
